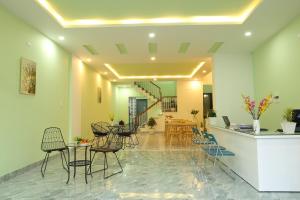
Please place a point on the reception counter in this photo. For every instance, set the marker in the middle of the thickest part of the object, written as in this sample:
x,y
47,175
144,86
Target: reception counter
x,y
269,161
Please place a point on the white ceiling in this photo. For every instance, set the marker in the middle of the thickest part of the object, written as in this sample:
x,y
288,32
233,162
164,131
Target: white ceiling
x,y
266,20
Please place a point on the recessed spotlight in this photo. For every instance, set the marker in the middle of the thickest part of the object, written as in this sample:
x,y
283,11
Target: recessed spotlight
x,y
61,38
248,34
89,60
105,73
114,80
151,35
153,58
155,79
204,71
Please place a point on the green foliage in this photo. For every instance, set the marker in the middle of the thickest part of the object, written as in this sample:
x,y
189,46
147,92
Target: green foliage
x,y
151,122
288,115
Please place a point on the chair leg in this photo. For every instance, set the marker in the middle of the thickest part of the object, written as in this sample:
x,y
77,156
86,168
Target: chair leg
x,y
119,163
63,159
104,165
44,164
105,162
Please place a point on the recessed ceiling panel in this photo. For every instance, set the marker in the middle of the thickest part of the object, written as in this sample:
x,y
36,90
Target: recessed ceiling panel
x,y
184,47
81,13
121,48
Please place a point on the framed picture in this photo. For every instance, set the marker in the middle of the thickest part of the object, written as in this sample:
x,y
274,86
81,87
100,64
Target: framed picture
x,y
99,95
28,77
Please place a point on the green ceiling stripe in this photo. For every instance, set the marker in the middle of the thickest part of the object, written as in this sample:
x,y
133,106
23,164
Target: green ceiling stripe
x,y
215,47
121,47
152,47
90,49
184,47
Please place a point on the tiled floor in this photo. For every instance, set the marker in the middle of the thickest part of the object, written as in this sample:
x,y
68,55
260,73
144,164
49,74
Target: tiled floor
x,y
151,171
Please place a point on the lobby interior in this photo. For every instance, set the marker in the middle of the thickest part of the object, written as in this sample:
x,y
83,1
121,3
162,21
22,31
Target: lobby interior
x,y
75,65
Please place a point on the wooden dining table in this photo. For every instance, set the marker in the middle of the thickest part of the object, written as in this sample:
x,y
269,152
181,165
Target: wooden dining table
x,y
179,129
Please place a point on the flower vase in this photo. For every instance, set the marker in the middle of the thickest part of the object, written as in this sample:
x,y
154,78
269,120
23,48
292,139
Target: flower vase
x,y
256,126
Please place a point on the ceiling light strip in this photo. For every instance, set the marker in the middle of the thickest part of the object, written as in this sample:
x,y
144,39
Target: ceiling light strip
x,y
199,66
200,20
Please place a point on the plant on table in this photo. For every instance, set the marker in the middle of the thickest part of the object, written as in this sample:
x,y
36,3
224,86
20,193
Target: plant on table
x,y
287,125
80,140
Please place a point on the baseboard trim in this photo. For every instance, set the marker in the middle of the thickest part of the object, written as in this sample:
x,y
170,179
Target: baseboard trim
x,y
17,172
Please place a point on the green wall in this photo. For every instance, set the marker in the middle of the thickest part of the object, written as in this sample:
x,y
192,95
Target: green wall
x,y
23,118
277,71
168,88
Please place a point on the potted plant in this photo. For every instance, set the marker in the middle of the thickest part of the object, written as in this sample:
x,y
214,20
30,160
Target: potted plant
x,y
287,125
212,117
151,122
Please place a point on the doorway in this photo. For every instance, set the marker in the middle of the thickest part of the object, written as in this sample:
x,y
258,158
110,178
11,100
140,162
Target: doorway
x,y
141,106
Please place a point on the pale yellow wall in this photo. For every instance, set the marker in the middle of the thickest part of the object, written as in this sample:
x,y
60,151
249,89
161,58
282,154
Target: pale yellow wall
x,y
207,79
91,109
189,96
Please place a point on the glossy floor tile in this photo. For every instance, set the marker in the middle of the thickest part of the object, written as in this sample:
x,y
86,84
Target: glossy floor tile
x,y
171,173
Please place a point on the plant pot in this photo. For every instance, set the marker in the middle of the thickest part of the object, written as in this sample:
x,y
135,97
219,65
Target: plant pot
x,y
256,126
212,120
288,127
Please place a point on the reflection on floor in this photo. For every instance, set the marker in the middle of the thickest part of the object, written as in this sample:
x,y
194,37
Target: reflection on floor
x,y
151,171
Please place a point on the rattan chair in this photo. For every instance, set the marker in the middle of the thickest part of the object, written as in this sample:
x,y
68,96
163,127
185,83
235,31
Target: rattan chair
x,y
54,141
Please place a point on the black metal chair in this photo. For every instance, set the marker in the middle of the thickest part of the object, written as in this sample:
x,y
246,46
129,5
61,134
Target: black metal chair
x,y
54,141
100,130
125,133
135,134
112,145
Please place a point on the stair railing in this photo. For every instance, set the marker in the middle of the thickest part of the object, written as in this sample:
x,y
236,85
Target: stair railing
x,y
153,90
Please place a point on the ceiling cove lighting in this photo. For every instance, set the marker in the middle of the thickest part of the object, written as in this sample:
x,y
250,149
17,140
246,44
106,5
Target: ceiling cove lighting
x,y
204,71
153,58
89,60
248,34
200,20
195,70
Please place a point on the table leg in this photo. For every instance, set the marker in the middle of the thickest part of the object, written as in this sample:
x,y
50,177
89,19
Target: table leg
x,y
68,165
85,164
74,162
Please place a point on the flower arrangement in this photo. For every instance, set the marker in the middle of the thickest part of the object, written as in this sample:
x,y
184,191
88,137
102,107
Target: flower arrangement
x,y
262,107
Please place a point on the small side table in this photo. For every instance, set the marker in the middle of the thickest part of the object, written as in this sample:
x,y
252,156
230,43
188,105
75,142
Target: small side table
x,y
80,163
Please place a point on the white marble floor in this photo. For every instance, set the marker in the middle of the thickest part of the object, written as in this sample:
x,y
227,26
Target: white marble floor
x,y
151,172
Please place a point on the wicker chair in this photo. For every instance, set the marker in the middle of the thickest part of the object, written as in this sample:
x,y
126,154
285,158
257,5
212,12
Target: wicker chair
x,y
54,141
100,131
112,145
125,133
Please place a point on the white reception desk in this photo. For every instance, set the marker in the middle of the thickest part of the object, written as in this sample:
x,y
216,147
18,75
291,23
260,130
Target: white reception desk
x,y
269,161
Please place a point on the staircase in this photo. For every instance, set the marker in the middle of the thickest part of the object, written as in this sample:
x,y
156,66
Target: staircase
x,y
160,104
152,91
